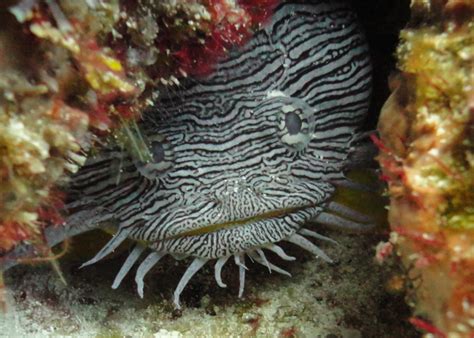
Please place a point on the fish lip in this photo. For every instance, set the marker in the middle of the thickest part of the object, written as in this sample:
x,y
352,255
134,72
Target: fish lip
x,y
272,214
205,214
227,241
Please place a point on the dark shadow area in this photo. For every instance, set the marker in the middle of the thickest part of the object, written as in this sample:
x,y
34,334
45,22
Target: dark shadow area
x,y
382,22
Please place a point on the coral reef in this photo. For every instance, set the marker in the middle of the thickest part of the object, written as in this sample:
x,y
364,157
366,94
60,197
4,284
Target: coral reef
x,y
54,80
427,156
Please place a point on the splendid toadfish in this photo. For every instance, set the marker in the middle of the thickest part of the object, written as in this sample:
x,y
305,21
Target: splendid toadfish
x,y
242,159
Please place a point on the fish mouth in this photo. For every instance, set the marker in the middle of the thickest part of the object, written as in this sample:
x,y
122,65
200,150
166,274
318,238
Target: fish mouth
x,y
233,237
241,222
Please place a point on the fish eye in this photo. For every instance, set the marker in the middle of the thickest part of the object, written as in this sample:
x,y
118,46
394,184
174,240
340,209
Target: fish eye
x,y
293,123
157,151
161,159
295,127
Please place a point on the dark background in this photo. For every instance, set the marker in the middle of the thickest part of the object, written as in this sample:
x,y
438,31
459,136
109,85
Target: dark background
x,y
382,21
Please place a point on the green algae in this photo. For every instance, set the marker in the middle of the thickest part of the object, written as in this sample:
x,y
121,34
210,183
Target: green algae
x,y
442,58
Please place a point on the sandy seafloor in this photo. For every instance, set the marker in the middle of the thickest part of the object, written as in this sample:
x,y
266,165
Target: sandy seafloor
x,y
345,299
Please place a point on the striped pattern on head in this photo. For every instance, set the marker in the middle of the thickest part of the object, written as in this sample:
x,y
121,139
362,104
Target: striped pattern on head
x,y
243,158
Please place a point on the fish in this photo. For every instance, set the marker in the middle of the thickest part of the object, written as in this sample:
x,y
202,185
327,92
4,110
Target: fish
x,y
242,159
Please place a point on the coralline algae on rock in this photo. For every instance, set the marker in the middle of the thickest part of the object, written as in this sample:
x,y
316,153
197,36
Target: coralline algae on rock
x,y
427,155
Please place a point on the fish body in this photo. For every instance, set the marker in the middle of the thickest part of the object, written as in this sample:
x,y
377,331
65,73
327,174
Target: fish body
x,y
244,158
